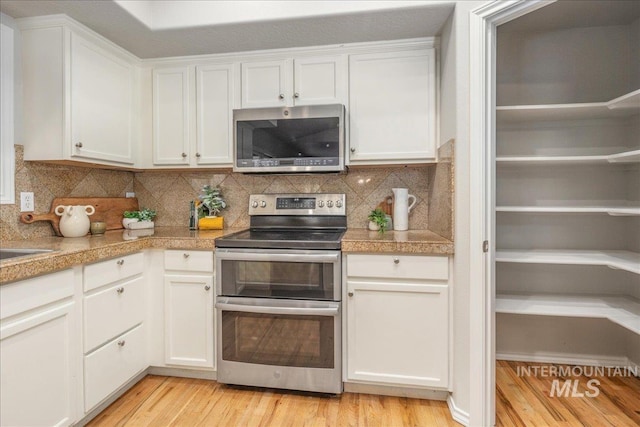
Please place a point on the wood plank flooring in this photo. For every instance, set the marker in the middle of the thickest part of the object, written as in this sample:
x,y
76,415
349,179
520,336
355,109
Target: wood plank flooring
x,y
521,400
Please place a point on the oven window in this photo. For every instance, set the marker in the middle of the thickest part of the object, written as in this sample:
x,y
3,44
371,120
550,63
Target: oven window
x,y
277,279
281,340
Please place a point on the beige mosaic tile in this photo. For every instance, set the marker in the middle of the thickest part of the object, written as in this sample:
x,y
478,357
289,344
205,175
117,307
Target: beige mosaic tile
x,y
169,192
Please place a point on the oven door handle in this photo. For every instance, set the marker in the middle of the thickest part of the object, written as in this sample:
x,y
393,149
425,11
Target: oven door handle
x,y
293,311
255,256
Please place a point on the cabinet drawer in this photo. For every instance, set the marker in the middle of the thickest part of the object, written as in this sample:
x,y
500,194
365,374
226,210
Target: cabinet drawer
x,y
112,311
201,261
398,266
32,293
112,270
111,366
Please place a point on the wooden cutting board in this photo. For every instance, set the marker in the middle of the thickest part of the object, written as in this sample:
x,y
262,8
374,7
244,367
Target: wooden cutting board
x,y
108,209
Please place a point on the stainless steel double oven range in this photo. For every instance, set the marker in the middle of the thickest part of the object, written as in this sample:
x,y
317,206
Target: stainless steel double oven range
x,y
278,307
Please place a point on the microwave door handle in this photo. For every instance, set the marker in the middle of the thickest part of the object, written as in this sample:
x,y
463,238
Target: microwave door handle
x,y
252,256
328,311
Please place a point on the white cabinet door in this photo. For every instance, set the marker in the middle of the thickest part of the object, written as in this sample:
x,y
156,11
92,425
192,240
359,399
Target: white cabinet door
x,y
189,320
102,88
171,116
320,80
216,99
37,369
392,100
266,84
397,333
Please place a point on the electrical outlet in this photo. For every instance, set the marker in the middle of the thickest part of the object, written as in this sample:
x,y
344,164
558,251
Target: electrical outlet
x,y
130,194
27,202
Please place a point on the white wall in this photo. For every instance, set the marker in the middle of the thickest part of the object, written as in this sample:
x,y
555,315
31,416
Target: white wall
x,y
454,123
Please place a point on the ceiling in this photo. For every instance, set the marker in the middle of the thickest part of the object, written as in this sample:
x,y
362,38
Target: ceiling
x,y
391,21
565,14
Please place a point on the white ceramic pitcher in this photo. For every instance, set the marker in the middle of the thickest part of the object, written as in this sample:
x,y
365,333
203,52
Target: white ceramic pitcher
x,y
401,208
74,219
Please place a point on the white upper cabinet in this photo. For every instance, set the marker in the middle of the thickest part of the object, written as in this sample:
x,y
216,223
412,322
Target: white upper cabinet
x,y
171,116
192,115
216,95
289,82
392,100
79,95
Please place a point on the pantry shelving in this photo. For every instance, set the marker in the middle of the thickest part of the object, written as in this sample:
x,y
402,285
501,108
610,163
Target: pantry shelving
x,y
623,311
567,200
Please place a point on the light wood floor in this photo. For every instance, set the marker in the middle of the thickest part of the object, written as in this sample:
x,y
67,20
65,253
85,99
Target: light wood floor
x,y
520,401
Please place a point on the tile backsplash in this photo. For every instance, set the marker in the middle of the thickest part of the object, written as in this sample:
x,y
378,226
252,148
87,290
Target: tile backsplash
x,y
169,192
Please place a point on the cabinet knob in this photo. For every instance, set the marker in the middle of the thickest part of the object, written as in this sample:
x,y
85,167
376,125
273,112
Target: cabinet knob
x,y
207,287
353,149
120,290
120,262
185,256
396,260
121,343
78,144
281,96
350,294
198,155
184,155
296,95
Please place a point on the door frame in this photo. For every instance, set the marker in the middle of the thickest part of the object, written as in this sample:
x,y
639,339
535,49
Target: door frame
x,y
483,22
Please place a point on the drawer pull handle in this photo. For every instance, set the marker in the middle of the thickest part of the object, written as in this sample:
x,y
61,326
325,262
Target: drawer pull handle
x,y
120,262
350,294
185,256
207,287
396,260
121,343
120,290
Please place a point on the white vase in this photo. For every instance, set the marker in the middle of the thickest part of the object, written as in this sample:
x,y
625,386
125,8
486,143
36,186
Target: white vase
x,y
401,208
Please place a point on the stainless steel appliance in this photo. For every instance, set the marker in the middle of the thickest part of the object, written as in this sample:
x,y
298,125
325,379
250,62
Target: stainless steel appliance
x,y
278,286
289,139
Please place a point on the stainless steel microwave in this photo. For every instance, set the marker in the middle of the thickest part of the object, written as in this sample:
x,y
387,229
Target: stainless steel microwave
x,y
289,139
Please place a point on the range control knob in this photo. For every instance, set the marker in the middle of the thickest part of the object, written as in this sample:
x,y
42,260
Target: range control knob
x,y
320,203
338,203
329,204
263,204
254,204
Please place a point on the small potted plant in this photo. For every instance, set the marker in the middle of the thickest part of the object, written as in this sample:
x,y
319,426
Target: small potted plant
x,y
143,218
377,220
211,204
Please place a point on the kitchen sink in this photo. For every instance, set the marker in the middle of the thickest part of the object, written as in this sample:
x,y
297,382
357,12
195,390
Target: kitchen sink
x,y
14,253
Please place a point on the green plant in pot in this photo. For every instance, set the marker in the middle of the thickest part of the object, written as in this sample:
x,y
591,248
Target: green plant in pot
x,y
145,216
211,204
377,220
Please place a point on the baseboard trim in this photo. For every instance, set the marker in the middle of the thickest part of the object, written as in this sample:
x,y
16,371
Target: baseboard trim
x,y
457,414
565,359
384,390
182,373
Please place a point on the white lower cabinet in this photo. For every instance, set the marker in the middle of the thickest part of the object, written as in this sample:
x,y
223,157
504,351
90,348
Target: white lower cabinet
x,y
114,341
398,320
189,309
38,344
112,365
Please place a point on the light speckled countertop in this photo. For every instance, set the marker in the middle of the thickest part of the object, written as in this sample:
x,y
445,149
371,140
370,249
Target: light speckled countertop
x,y
68,252
411,242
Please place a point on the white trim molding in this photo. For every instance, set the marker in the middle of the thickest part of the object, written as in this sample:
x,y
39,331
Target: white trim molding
x,y
482,53
457,414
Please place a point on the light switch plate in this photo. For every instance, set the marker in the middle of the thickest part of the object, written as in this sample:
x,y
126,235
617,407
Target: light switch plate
x,y
27,202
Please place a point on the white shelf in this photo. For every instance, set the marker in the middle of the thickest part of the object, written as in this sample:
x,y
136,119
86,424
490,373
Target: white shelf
x,y
610,210
624,157
625,105
622,260
624,311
